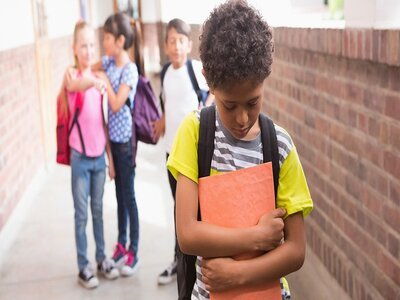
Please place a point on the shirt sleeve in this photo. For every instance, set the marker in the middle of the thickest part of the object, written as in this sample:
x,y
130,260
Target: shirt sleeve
x,y
183,156
105,62
130,77
201,80
293,193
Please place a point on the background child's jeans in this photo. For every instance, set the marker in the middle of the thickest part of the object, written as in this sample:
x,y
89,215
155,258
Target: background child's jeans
x,y
88,178
124,187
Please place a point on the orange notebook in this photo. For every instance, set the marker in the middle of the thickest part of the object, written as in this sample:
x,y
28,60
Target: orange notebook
x,y
238,199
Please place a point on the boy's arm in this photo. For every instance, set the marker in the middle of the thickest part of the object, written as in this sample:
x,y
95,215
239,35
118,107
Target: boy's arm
x,y
208,240
224,273
159,127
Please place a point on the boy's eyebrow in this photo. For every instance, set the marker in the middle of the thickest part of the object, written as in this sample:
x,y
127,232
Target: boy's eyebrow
x,y
249,100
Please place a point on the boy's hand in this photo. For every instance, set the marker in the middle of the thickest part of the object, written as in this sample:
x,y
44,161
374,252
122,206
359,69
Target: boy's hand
x,y
220,274
270,230
159,127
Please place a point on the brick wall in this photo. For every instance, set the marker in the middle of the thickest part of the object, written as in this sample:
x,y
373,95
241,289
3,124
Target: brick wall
x,y
21,149
337,92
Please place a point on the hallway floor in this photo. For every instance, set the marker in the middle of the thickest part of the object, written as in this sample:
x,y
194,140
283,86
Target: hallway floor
x,y
37,248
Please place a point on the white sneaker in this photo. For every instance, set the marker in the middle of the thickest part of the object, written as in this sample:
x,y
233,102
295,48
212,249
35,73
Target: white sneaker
x,y
131,264
87,278
169,274
107,269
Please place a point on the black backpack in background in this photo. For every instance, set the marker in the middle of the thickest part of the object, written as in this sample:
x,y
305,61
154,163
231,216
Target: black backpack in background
x,y
187,263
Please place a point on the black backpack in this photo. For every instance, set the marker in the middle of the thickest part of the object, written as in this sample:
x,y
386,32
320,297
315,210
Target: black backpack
x,y
187,263
201,94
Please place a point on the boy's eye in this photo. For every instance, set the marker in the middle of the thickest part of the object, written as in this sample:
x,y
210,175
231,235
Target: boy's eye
x,y
229,106
252,103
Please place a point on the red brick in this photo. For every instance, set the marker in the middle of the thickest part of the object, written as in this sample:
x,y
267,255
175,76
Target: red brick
x,y
373,100
391,215
395,192
392,106
390,267
392,47
392,163
367,54
394,77
394,245
383,46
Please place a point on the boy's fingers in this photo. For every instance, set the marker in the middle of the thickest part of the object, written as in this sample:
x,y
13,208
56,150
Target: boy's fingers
x,y
279,212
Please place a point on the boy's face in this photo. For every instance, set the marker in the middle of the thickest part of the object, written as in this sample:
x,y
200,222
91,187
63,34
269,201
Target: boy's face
x,y
177,47
239,107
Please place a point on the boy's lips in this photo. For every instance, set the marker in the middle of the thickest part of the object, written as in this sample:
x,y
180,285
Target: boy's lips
x,y
240,131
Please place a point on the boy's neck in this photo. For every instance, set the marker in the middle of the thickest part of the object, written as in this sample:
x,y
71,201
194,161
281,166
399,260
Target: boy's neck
x,y
122,59
179,64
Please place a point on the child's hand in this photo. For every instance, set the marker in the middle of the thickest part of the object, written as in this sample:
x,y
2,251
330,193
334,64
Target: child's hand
x,y
270,230
219,274
99,84
111,170
158,128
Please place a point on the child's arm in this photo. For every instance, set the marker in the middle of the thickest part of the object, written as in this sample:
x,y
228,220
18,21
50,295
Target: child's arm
x,y
74,84
208,240
159,127
111,169
97,66
224,273
117,101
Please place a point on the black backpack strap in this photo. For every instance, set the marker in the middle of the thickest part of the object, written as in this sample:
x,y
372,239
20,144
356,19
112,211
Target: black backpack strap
x,y
75,121
206,140
270,147
162,76
193,80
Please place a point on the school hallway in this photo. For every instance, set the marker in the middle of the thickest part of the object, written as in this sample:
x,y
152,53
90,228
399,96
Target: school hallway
x,y
37,248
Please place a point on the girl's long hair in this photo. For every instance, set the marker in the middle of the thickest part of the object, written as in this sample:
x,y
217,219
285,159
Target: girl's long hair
x,y
121,24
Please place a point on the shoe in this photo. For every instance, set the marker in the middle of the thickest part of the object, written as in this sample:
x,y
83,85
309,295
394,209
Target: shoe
x,y
87,278
107,269
131,264
169,274
119,255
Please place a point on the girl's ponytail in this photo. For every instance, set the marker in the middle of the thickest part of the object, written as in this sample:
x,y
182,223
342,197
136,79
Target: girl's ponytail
x,y
138,48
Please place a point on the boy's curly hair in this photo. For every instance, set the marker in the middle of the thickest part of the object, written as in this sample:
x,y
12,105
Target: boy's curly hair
x,y
235,45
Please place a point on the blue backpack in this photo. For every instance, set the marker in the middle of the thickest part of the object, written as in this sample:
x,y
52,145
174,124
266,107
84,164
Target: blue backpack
x,y
201,94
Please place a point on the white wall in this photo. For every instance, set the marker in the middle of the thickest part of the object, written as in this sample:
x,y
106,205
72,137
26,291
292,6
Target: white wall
x,y
387,14
151,11
192,12
62,16
16,24
101,10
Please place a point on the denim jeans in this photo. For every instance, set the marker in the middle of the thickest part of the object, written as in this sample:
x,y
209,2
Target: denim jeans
x,y
88,177
125,192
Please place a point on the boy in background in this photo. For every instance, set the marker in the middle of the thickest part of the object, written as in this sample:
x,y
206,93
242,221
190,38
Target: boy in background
x,y
179,99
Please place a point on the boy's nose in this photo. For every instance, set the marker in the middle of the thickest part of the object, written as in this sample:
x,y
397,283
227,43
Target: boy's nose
x,y
242,117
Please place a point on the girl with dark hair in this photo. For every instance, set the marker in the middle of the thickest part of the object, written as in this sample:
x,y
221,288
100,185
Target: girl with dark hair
x,y
121,76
